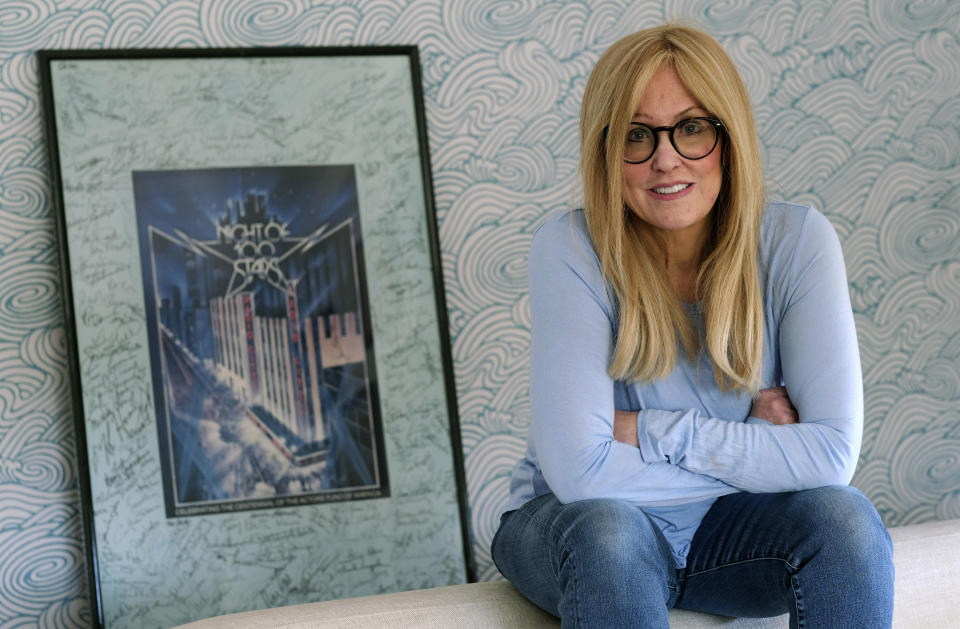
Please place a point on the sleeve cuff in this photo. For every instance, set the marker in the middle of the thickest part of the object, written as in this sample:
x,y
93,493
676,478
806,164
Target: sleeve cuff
x,y
652,428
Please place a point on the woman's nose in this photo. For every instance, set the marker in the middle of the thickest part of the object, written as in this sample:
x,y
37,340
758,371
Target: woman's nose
x,y
665,156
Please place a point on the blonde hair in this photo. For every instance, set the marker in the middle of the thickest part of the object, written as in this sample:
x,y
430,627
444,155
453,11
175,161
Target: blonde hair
x,y
651,315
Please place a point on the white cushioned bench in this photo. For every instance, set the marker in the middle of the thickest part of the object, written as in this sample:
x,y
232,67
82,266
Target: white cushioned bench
x,y
927,596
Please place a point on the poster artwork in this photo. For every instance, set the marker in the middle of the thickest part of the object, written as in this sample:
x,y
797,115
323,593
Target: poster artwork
x,y
260,341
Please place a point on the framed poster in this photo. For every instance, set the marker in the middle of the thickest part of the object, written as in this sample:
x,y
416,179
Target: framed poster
x,y
261,370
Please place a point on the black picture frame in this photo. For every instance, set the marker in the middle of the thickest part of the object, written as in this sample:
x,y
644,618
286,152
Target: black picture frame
x,y
199,389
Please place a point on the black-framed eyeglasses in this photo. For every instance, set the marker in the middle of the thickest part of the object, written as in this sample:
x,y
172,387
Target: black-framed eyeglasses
x,y
693,138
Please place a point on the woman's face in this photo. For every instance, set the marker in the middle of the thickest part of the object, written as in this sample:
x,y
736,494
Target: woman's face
x,y
669,192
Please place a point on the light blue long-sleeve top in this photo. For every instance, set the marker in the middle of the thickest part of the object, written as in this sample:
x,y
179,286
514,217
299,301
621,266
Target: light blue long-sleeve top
x,y
697,442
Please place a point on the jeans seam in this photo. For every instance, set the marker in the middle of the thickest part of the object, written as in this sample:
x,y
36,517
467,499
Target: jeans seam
x,y
547,525
737,563
558,536
795,588
576,589
493,544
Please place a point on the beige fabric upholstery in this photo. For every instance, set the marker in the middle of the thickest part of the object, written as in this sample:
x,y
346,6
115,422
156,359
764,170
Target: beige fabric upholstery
x,y
927,586
926,556
474,606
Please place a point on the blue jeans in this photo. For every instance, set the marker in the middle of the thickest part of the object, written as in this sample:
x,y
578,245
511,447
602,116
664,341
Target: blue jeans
x,y
823,555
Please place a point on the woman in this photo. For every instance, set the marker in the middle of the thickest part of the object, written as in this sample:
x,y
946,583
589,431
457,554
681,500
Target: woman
x,y
695,379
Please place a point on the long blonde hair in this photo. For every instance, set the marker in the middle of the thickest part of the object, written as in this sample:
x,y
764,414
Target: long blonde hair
x,y
651,315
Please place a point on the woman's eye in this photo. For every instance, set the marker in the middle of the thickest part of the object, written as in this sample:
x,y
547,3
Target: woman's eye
x,y
639,134
692,127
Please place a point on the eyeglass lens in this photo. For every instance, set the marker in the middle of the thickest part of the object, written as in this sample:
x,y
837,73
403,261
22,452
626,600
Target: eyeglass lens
x,y
693,138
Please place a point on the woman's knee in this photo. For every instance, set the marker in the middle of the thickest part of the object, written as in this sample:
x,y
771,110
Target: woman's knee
x,y
612,533
844,523
565,554
619,557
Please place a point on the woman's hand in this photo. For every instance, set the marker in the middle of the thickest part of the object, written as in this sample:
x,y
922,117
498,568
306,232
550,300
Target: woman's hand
x,y
773,405
625,428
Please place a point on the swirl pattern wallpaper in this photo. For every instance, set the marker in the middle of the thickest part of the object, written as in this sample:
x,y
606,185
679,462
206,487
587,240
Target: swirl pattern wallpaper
x,y
858,108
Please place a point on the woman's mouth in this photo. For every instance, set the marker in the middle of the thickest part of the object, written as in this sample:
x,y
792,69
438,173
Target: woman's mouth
x,y
670,192
675,188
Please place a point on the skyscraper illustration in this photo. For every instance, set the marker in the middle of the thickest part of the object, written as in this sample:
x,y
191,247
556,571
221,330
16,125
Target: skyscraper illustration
x,y
260,324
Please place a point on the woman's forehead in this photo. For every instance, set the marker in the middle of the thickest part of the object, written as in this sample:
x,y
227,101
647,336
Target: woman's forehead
x,y
666,96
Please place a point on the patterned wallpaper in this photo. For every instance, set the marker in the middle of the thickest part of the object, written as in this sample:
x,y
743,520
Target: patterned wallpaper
x,y
858,105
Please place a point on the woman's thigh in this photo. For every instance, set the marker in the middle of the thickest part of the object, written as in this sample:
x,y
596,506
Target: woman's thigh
x,y
823,555
593,562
